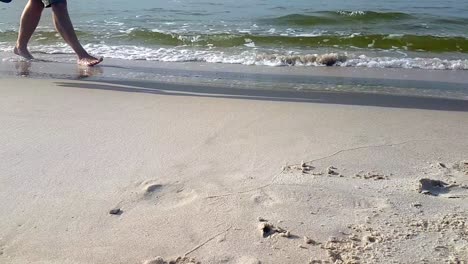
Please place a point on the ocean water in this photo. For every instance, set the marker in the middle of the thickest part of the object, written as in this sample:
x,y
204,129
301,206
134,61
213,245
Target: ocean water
x,y
424,34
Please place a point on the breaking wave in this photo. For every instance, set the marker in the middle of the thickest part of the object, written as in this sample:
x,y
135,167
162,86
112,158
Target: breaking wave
x,y
142,37
253,57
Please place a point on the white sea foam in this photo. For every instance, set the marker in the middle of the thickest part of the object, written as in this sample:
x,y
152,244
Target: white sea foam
x,y
418,63
113,23
253,57
351,13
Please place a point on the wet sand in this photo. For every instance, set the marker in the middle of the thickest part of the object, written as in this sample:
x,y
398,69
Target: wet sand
x,y
122,172
405,82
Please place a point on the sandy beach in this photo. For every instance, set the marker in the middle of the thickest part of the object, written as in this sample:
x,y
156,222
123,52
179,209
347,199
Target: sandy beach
x,y
233,132
96,172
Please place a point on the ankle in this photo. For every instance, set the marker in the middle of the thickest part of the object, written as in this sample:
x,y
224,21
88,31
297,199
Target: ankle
x,y
82,54
21,47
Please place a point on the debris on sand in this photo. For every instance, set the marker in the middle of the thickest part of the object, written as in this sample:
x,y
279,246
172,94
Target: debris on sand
x,y
332,171
179,260
442,165
268,230
443,189
310,241
115,211
371,176
303,167
286,234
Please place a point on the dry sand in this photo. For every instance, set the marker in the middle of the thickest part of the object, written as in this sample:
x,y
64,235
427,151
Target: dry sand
x,y
106,176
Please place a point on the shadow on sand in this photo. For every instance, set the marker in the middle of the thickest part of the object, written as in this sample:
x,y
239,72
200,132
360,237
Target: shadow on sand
x,y
323,97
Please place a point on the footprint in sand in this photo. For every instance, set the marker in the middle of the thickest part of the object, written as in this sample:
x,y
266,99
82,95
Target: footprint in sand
x,y
168,196
165,196
365,206
265,198
151,189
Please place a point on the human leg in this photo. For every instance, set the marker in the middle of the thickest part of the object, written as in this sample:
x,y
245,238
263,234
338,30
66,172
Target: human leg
x,y
28,24
64,26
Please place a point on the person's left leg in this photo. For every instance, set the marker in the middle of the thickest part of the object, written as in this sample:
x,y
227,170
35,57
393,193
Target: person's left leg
x,y
29,21
64,26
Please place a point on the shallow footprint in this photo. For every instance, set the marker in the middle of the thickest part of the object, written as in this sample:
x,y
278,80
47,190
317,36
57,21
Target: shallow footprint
x,y
164,196
150,189
168,196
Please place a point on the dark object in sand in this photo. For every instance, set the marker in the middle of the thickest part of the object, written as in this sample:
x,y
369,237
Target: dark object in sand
x,y
442,189
442,165
432,187
5,1
268,230
115,211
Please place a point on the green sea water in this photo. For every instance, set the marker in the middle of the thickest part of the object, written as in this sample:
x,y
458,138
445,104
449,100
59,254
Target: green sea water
x,y
424,34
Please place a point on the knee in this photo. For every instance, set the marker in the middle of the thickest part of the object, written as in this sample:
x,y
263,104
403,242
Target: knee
x,y
59,6
36,5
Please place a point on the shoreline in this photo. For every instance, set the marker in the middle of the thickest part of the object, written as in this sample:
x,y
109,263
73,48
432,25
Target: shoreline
x,y
397,82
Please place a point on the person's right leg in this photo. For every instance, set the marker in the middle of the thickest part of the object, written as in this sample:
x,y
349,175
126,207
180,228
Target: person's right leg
x,y
28,24
64,26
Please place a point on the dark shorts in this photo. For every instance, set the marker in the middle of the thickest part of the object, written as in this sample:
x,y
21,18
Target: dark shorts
x,y
48,3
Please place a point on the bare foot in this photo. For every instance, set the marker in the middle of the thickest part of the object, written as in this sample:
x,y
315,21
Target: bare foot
x,y
23,53
89,60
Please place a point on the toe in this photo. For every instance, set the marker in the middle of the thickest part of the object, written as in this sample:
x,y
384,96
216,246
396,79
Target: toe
x,y
91,62
96,61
